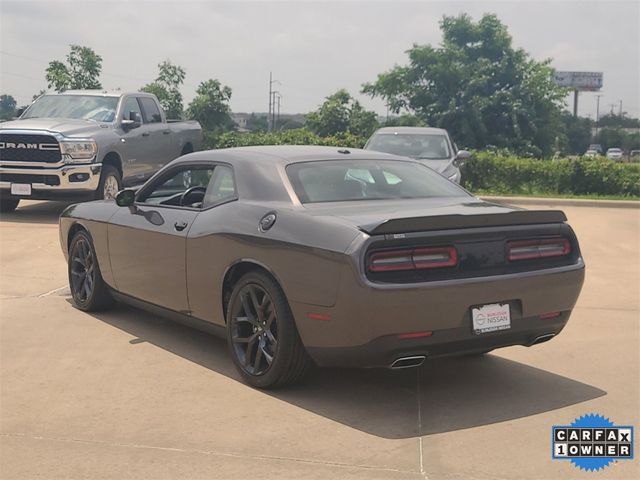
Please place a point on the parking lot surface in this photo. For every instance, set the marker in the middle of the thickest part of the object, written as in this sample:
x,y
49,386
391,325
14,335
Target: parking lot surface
x,y
125,394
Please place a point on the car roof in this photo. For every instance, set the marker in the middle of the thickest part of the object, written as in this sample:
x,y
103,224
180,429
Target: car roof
x,y
98,93
411,130
287,154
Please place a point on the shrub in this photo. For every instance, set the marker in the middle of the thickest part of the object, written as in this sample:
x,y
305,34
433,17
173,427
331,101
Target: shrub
x,y
298,136
505,174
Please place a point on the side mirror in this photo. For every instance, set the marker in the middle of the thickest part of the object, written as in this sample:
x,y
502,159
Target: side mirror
x,y
134,121
462,157
125,198
20,111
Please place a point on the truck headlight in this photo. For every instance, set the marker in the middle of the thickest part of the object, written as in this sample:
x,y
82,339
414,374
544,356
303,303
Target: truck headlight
x,y
78,149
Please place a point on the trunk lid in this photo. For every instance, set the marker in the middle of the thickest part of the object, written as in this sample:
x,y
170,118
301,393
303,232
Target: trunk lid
x,y
418,215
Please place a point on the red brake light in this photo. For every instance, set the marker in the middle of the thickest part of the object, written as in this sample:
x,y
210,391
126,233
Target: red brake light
x,y
541,248
413,259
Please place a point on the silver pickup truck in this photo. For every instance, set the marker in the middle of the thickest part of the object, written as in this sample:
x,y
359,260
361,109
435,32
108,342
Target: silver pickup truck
x,y
87,145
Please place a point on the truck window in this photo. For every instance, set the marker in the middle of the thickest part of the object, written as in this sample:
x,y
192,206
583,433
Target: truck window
x,y
130,105
150,110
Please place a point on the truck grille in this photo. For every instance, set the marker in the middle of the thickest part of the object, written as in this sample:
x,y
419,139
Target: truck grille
x,y
21,147
29,178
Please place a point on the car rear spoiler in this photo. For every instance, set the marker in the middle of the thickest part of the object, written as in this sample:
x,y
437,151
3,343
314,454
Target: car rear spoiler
x,y
446,222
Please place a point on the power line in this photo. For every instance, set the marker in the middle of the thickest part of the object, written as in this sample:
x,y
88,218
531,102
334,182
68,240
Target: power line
x,y
21,76
40,60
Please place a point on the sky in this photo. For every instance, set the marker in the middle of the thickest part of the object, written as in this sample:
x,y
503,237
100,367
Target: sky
x,y
313,48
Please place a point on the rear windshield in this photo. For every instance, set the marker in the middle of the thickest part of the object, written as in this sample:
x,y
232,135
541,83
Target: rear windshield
x,y
422,146
349,180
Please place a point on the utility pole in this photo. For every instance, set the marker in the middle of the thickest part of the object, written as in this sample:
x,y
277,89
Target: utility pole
x,y
620,111
278,116
270,114
275,103
575,102
612,105
597,113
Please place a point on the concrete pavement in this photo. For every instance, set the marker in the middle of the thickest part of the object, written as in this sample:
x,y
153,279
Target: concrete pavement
x,y
125,394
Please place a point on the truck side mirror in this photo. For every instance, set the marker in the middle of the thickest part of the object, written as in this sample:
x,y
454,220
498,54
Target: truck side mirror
x,y
134,121
20,111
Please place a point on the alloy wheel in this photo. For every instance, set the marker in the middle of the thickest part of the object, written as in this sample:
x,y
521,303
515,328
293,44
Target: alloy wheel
x,y
83,273
254,332
110,188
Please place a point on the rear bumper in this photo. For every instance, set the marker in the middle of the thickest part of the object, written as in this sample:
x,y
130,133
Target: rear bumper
x,y
383,351
55,183
363,326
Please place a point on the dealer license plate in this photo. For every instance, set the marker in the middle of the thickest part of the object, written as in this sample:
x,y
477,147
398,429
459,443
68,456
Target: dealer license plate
x,y
491,318
20,189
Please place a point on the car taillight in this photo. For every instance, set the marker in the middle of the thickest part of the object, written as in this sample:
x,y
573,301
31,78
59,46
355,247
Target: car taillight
x,y
413,259
540,248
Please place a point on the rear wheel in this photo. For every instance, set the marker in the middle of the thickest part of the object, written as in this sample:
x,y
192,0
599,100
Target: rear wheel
x,y
88,289
263,340
8,205
110,183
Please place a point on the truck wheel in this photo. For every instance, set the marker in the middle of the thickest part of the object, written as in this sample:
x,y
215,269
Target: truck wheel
x,y
88,290
8,205
110,183
261,333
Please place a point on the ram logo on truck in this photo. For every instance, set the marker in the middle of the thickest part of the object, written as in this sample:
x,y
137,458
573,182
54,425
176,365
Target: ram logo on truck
x,y
89,144
29,146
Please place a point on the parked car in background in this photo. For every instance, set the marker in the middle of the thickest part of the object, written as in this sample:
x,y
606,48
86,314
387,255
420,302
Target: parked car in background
x,y
591,153
597,147
431,146
614,154
634,156
88,145
343,258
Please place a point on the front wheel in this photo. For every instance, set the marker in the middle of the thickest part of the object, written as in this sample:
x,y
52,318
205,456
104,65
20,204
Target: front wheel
x,y
8,205
261,334
110,183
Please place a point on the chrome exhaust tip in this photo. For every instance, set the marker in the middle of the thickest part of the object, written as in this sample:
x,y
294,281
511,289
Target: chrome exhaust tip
x,y
408,362
543,338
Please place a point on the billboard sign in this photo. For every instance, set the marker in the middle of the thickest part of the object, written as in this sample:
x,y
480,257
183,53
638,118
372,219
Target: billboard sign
x,y
583,81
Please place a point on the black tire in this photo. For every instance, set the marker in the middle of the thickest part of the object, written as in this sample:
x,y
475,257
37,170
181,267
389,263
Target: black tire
x,y
8,205
290,361
110,179
88,290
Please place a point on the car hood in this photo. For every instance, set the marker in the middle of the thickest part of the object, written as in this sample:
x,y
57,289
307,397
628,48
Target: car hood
x,y
402,216
66,126
437,165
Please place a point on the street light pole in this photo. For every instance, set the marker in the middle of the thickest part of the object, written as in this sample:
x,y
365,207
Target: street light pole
x,y
597,113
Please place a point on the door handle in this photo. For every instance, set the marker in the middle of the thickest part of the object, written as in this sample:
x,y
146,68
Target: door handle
x,y
166,132
180,226
146,134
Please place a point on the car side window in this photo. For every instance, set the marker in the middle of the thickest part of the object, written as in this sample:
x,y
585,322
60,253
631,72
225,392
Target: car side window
x,y
130,106
151,111
221,186
181,187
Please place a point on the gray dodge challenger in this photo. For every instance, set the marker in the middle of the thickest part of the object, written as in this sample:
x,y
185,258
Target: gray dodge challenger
x,y
319,255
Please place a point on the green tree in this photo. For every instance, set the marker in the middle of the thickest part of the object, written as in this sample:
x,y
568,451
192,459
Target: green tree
x,y
613,120
257,122
404,120
211,107
575,134
340,112
477,86
82,70
166,87
7,107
